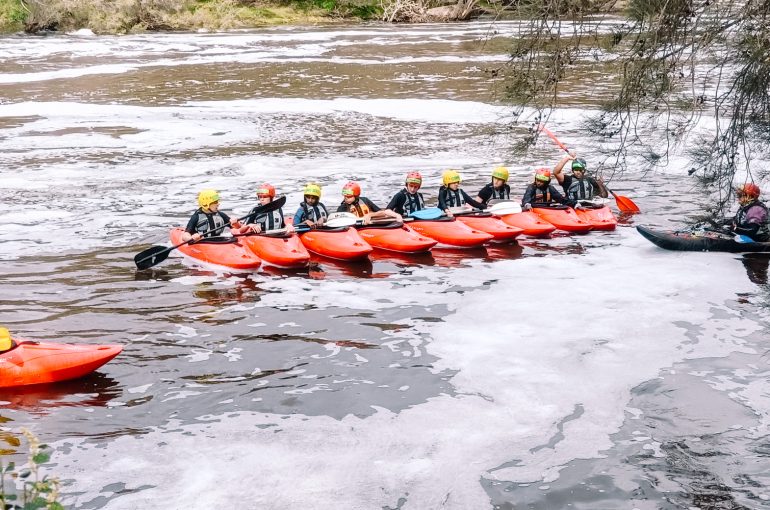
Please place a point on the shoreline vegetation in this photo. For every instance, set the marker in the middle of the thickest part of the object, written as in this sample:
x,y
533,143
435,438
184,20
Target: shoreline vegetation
x,y
111,17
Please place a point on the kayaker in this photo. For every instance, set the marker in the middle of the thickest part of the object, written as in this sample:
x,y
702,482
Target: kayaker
x,y
751,218
207,218
362,207
264,222
408,200
450,195
6,342
542,192
579,185
311,211
498,189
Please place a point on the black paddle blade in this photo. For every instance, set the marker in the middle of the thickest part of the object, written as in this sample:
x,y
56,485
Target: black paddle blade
x,y
151,256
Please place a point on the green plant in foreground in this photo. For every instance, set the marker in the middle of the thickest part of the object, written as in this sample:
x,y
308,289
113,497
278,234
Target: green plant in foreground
x,y
36,492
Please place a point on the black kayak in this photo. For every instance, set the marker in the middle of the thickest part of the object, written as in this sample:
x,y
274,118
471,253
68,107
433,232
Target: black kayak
x,y
709,241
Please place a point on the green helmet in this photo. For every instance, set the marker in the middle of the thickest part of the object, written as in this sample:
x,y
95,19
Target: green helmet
x,y
579,164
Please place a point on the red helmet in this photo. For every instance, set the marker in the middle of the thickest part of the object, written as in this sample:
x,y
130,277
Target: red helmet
x,y
543,174
266,189
749,189
414,178
351,189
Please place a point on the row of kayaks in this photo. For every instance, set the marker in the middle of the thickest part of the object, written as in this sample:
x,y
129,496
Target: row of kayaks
x,y
41,362
415,236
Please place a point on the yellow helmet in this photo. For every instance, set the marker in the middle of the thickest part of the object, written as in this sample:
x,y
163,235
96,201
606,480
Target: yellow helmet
x,y
500,173
312,189
207,197
5,339
450,177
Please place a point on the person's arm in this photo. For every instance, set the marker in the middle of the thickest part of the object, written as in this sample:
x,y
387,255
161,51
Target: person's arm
x,y
190,231
442,200
558,170
396,203
528,198
561,198
600,187
371,205
343,207
299,218
484,195
468,199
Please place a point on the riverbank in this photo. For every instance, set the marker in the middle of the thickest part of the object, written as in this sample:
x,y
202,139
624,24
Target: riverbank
x,y
127,16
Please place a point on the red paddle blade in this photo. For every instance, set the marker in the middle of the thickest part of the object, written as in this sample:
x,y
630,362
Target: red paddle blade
x,y
625,204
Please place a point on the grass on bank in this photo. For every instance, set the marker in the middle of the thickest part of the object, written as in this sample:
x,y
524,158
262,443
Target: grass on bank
x,y
131,16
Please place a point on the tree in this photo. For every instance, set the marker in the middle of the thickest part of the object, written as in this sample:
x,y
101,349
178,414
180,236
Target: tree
x,y
675,64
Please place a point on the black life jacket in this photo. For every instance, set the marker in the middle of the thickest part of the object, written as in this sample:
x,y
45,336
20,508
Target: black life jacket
x,y
580,189
501,193
413,202
208,221
316,212
452,198
267,221
763,234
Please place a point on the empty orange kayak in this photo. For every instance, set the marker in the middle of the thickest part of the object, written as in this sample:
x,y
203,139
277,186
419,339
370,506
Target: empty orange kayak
x,y
450,232
600,218
563,218
222,251
41,362
529,222
485,222
396,237
336,243
280,251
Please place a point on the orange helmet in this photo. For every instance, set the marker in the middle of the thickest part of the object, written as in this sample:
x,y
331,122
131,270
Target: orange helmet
x,y
749,189
543,174
351,189
266,189
414,178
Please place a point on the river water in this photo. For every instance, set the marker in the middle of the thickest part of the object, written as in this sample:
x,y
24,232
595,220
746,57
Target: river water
x,y
592,371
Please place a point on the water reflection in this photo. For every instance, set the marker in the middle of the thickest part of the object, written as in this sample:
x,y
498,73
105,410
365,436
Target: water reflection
x,y
94,390
756,265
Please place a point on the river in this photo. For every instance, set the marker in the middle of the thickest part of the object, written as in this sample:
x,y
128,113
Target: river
x,y
592,371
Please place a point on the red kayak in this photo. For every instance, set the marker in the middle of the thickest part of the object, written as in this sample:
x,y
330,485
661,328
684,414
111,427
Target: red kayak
x,y
600,218
450,232
37,363
530,223
222,251
285,250
395,236
563,218
336,243
485,222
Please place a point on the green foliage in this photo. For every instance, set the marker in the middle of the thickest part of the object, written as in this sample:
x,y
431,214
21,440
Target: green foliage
x,y
36,492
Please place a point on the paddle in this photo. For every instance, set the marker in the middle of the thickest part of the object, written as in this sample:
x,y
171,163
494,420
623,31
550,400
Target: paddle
x,y
625,204
157,254
431,213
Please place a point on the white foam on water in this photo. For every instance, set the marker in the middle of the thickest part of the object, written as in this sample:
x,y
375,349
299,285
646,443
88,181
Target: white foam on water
x,y
525,355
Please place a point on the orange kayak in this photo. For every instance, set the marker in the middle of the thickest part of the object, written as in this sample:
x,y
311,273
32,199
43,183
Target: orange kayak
x,y
563,218
38,363
336,243
395,237
222,251
600,218
280,251
485,222
530,223
450,232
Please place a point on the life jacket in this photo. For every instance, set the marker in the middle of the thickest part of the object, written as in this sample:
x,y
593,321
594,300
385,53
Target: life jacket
x,y
542,195
315,213
413,202
763,234
209,221
268,221
359,208
502,193
452,198
580,189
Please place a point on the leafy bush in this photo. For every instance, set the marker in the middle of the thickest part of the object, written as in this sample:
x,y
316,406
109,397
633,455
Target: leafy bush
x,y
36,493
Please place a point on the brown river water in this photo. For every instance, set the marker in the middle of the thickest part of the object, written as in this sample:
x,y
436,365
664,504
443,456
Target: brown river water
x,y
588,371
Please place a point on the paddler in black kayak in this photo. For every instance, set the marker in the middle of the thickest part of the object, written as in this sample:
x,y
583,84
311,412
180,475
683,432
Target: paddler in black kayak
x,y
751,218
311,211
6,342
267,221
450,195
207,218
408,200
579,185
498,189
542,192
362,207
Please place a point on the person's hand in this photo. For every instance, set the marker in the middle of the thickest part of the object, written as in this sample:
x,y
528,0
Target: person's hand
x,y
255,228
196,237
579,206
527,207
235,223
310,223
289,229
448,213
367,219
398,217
